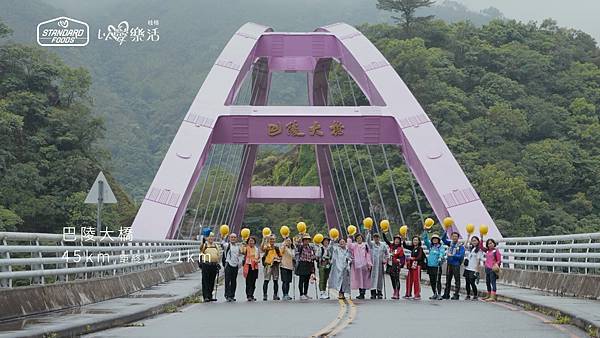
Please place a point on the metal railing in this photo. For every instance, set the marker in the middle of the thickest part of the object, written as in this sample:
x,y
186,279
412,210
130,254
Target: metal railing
x,y
578,253
35,258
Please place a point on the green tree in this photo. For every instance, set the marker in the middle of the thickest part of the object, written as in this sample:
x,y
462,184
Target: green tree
x,y
551,165
4,30
9,221
407,9
48,143
509,198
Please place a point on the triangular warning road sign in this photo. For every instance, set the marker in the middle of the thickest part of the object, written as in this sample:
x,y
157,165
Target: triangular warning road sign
x,y
107,194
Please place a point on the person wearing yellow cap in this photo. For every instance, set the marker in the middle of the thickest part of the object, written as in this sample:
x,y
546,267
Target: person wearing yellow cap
x,y
435,260
210,256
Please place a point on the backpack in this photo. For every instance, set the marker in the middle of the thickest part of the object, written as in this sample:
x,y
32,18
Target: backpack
x,y
264,257
224,256
423,261
496,267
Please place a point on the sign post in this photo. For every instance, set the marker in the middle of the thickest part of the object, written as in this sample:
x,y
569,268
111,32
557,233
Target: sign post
x,y
99,194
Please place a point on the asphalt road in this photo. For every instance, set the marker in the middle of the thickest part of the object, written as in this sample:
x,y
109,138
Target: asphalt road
x,y
353,318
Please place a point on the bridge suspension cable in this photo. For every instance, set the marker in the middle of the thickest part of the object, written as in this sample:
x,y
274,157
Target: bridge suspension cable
x,y
336,203
222,176
347,185
233,202
239,185
387,165
212,187
367,192
362,212
383,213
229,184
329,101
342,162
237,167
328,154
414,189
359,201
383,207
341,192
206,173
362,173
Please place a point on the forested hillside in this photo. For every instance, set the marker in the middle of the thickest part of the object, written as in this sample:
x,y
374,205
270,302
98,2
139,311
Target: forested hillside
x,y
48,144
518,105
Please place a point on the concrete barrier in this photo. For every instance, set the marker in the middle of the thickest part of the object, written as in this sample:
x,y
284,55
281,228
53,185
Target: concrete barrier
x,y
36,299
561,284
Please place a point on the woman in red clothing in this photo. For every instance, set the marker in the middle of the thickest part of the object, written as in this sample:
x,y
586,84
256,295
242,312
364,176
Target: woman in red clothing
x,y
414,264
396,263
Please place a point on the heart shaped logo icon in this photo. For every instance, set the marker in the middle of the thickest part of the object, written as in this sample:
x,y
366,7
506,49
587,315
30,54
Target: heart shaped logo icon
x,y
63,23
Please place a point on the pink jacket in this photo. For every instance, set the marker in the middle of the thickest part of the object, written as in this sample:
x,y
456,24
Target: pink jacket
x,y
491,257
361,255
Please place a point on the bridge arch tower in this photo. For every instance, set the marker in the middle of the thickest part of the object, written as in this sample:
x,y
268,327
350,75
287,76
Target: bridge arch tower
x,y
393,117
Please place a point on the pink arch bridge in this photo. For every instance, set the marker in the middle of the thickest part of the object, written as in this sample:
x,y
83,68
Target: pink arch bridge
x,y
393,117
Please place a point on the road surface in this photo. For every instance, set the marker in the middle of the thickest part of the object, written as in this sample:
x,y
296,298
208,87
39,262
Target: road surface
x,y
352,318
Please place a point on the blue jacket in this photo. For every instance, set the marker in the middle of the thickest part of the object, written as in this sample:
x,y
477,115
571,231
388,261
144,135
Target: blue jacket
x,y
457,248
437,253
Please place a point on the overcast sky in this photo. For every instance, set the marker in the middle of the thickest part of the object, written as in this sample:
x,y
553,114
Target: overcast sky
x,y
580,14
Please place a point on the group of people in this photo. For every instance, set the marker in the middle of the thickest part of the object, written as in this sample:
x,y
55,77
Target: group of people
x,y
357,262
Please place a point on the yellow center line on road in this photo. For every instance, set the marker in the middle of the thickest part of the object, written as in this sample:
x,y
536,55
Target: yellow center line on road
x,y
349,319
328,331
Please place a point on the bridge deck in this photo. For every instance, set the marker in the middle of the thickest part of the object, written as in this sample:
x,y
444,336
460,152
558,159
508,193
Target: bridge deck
x,y
305,318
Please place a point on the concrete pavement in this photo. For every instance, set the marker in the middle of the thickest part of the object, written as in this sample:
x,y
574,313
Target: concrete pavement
x,y
353,318
242,318
138,315
106,314
584,313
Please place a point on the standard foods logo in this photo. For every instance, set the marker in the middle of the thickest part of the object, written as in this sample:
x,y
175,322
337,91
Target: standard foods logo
x,y
63,31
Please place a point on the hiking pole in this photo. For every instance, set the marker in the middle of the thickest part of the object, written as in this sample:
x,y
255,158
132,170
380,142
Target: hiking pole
x,y
383,278
217,282
316,291
294,285
350,282
438,279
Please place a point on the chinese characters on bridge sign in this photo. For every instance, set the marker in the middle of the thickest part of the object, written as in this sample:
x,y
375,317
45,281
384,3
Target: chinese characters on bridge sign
x,y
88,234
336,128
